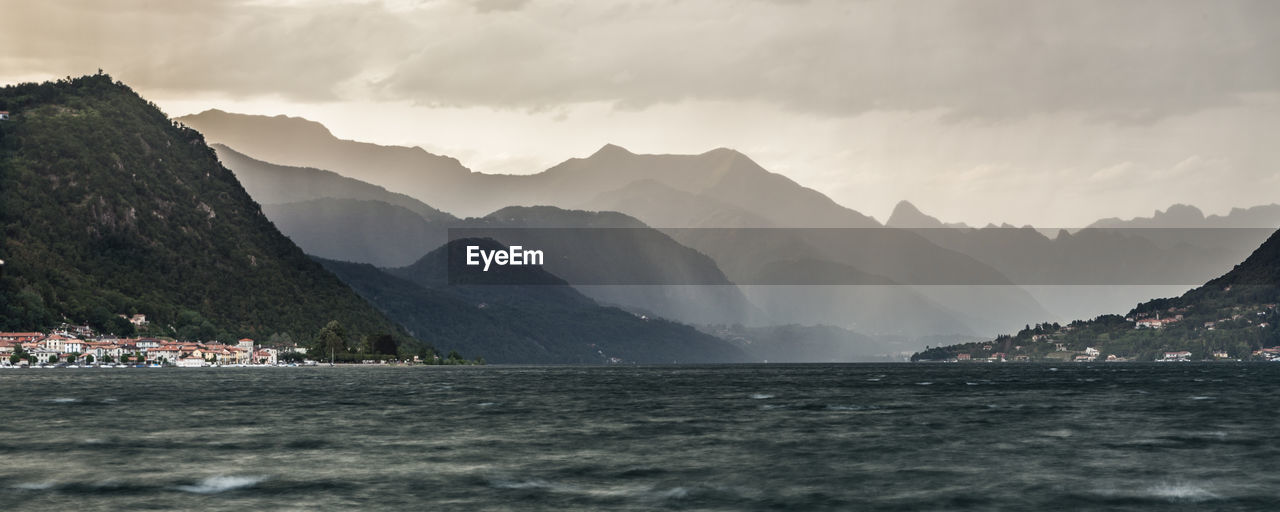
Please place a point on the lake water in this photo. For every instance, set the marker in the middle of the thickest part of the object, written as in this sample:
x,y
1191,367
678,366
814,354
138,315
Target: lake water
x,y
1179,436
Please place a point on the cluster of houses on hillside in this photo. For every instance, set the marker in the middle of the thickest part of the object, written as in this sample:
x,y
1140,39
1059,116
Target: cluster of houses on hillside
x,y
1161,319
63,347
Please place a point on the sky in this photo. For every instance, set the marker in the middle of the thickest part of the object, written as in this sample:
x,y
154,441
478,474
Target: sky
x,y
1053,113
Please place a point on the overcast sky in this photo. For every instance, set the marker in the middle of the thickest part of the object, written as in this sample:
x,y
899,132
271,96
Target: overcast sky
x,y
1054,112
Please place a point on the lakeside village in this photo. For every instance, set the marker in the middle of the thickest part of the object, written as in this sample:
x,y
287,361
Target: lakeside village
x,y
1175,334
80,347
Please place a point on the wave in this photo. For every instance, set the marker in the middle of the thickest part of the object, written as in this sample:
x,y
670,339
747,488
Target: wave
x,y
1180,492
217,484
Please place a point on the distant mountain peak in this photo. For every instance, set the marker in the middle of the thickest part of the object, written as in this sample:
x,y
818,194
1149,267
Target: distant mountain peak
x,y
725,151
1177,215
280,121
906,215
611,149
1180,212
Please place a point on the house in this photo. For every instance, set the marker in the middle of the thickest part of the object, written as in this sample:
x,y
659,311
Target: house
x,y
1083,358
169,353
21,337
1176,356
4,115
99,350
1220,354
963,357
57,343
266,356
1153,323
144,343
73,346
190,362
1091,351
245,344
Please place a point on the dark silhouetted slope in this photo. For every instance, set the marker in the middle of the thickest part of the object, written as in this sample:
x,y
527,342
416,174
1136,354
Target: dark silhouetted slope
x,y
480,315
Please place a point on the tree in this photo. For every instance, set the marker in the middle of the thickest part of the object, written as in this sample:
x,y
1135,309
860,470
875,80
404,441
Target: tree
x,y
53,358
331,339
120,326
280,340
88,359
381,344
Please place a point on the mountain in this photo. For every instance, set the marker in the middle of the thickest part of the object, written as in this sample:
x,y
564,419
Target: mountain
x,y
344,219
906,215
720,188
661,206
1260,272
278,184
109,208
618,260
340,218
299,142
724,175
356,230
1232,316
1086,272
541,320
1187,216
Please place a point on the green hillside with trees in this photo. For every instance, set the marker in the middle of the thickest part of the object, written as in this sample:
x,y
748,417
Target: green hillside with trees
x,y
109,208
1231,317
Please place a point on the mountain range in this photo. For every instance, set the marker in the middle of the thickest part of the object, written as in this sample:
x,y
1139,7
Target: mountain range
x,y
110,208
722,176
716,191
764,236
766,250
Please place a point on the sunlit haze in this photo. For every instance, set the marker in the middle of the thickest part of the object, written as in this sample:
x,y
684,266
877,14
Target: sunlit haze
x,y
1045,113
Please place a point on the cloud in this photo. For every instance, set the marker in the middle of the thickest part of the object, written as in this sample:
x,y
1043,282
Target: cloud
x,y
1121,62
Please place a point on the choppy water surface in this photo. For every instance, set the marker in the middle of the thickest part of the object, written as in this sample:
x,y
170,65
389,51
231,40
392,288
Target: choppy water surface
x,y
813,437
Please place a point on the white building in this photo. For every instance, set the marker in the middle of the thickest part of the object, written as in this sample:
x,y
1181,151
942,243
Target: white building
x,y
191,362
266,356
